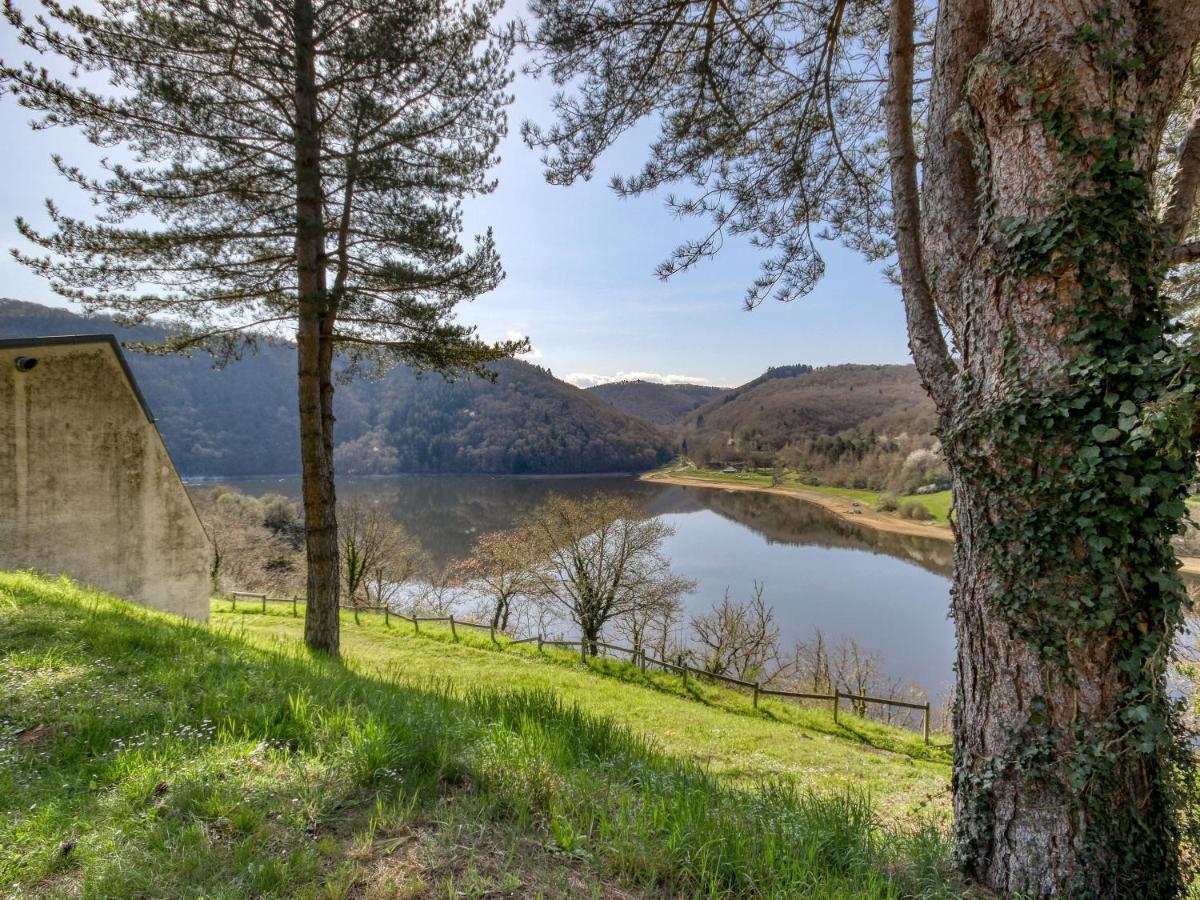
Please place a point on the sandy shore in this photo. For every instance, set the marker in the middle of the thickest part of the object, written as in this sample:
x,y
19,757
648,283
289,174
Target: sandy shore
x,y
841,506
844,507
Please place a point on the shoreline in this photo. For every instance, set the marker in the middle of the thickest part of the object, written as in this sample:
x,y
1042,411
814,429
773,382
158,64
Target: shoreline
x,y
844,509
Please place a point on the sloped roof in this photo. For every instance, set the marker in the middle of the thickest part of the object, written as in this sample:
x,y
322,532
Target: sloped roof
x,y
59,340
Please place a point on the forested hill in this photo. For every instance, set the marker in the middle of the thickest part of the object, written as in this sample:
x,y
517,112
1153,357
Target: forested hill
x,y
855,425
662,404
242,420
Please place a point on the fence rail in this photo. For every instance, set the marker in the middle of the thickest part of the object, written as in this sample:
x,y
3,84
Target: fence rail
x,y
639,658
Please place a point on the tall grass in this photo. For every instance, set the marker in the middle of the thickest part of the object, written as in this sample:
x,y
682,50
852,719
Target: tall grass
x,y
176,761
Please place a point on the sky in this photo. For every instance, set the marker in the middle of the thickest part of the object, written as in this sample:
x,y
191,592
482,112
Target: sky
x,y
580,268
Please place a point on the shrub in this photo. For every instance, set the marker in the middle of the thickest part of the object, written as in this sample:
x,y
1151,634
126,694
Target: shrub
x,y
888,503
911,509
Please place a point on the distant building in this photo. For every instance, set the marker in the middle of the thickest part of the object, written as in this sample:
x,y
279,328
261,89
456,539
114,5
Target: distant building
x,y
87,488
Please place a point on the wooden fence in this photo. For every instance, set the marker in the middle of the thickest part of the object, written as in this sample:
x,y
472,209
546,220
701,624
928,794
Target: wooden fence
x,y
639,658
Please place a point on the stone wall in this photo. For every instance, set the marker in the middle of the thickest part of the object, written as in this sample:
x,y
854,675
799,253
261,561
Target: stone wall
x,y
87,488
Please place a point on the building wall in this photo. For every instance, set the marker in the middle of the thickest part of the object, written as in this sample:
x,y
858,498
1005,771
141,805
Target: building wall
x,y
87,488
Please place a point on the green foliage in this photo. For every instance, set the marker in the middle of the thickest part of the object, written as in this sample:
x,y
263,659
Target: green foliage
x,y
184,762
1083,475
203,224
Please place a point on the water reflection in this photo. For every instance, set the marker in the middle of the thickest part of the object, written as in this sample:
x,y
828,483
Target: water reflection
x,y
886,591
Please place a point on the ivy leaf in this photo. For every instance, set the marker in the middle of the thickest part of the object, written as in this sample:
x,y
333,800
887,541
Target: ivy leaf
x,y
1105,433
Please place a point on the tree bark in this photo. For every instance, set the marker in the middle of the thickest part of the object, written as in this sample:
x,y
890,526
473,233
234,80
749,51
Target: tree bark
x,y
314,353
1043,260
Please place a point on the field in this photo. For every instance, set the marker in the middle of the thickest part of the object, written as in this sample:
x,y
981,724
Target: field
x,y
140,756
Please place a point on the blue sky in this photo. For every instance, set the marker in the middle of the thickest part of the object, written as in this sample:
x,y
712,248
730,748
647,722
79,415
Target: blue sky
x,y
580,265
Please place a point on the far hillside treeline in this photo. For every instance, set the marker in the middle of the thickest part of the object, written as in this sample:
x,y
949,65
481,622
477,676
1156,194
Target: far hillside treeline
x,y
854,426
849,426
242,420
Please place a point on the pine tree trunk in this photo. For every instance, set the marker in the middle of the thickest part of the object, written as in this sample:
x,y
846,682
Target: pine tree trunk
x,y
1068,450
321,622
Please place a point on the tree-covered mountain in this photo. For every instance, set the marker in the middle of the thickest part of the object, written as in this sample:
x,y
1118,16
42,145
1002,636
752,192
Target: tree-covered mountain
x,y
662,404
242,420
860,426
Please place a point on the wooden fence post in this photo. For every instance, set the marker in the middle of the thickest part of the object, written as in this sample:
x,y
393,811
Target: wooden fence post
x,y
387,616
583,652
756,695
294,612
492,632
264,599
837,695
539,642
453,632
416,624
685,671
925,723
233,599
643,662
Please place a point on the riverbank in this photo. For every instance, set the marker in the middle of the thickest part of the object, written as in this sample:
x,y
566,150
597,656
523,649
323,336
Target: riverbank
x,y
845,506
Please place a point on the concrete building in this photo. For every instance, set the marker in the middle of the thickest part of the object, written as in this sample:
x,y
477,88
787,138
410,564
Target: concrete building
x,y
87,488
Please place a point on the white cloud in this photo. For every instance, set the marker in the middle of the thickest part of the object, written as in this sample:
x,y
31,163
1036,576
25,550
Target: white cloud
x,y
534,352
588,379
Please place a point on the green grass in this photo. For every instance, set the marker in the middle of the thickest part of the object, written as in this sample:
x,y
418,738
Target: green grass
x,y
141,756
938,505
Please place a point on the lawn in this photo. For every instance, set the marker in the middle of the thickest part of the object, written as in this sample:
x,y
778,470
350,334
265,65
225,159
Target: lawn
x,y
141,756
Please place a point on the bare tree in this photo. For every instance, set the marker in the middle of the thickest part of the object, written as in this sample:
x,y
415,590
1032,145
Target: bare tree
x,y
253,541
377,554
501,569
740,638
441,593
647,626
1034,264
811,668
600,560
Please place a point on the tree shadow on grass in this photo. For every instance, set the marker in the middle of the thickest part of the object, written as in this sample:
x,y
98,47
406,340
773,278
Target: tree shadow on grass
x,y
187,761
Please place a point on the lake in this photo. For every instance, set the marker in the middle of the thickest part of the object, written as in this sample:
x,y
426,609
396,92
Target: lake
x,y
889,593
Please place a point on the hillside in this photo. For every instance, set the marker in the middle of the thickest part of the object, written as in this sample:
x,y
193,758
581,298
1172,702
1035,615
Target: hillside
x,y
849,424
662,404
140,756
242,420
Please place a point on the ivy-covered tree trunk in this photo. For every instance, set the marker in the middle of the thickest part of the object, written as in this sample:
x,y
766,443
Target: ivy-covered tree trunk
x,y
314,352
1067,433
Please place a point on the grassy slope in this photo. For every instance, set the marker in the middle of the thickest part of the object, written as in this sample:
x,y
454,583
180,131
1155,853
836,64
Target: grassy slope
x,y
937,504
144,757
902,774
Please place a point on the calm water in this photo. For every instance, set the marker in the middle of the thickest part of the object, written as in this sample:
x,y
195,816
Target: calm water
x,y
887,592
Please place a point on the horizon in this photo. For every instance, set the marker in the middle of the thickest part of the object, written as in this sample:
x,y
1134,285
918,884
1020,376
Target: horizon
x,y
602,381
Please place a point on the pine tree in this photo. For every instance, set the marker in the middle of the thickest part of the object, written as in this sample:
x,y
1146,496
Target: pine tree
x,y
281,164
1033,261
